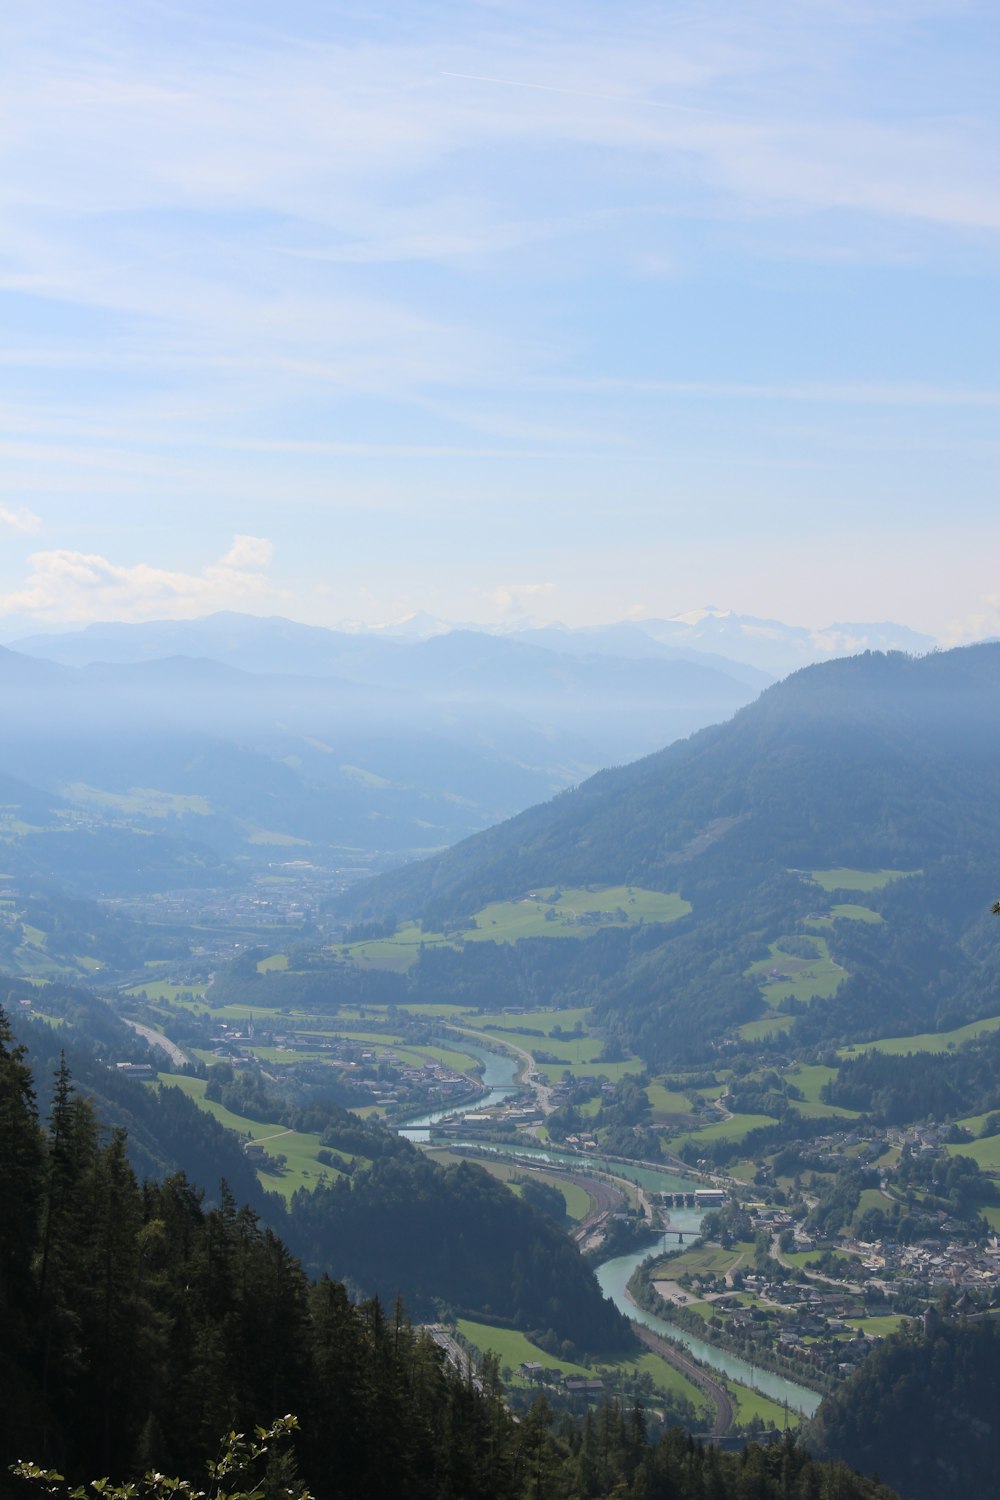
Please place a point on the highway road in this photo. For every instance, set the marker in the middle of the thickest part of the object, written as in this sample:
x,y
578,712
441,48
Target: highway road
x,y
157,1039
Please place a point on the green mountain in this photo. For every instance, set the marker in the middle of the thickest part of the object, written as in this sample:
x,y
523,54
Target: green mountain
x,y
922,1411
865,770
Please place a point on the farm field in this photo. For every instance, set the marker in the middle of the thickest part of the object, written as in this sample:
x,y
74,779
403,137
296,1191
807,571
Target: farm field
x,y
702,1260
546,1021
274,963
723,1130
755,1031
574,912
822,1111
613,1071
879,1326
751,1404
515,1349
142,801
854,913
810,1078
666,1103
576,1049
857,880
302,1169
802,979
925,1041
986,1153
870,1198
163,989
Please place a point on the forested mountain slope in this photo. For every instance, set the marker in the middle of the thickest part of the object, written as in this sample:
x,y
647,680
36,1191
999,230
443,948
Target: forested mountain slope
x,y
873,763
391,1222
922,1410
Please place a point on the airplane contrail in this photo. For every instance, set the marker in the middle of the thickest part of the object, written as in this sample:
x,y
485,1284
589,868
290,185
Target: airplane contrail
x,y
548,88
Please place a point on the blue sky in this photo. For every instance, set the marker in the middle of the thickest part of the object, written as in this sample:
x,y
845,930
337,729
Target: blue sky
x,y
497,309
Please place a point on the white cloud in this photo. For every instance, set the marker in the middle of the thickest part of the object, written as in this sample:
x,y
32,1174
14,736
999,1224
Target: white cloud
x,y
982,624
248,552
63,585
510,598
21,519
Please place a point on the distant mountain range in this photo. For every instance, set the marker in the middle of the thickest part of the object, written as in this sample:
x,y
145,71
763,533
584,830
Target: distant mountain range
x,y
218,741
754,651
231,739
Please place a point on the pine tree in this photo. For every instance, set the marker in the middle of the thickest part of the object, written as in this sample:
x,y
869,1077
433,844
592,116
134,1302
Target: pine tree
x,y
21,1158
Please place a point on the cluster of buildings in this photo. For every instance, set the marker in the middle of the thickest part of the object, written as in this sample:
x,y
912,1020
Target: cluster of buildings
x,y
392,1082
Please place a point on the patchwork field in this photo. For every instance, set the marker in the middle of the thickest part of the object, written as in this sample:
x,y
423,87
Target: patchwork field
x,y
574,912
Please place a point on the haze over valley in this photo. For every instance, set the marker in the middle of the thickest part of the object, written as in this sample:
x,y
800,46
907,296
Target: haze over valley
x,y
499,791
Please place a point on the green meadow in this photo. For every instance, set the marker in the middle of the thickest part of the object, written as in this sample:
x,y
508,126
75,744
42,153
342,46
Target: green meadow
x,y
162,989
845,911
613,1071
809,1078
667,1103
803,979
515,1349
985,1152
879,1326
574,912
925,1041
755,1031
723,1130
751,1404
141,801
545,1021
702,1260
857,880
302,1168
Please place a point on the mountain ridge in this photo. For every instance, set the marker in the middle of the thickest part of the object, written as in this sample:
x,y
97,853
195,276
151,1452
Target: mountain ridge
x,y
875,762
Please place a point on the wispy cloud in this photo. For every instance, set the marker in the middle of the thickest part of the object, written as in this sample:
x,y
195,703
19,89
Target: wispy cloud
x,y
846,393
22,519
